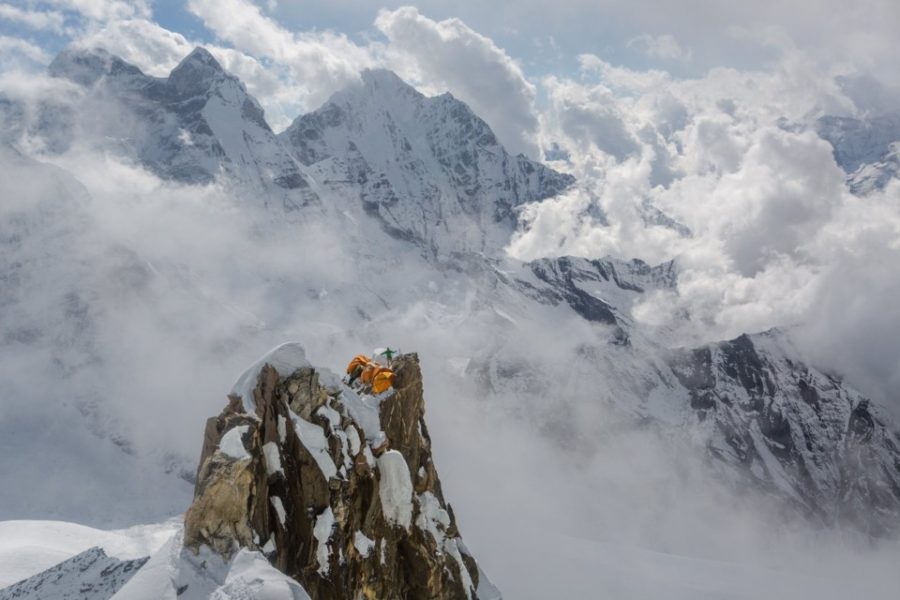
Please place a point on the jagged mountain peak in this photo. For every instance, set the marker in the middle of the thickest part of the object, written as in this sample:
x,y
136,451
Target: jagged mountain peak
x,y
198,72
429,168
200,56
301,460
378,89
199,125
382,90
87,65
799,432
385,80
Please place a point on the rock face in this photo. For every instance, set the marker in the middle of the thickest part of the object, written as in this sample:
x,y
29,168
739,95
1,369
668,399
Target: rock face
x,y
795,431
337,489
766,420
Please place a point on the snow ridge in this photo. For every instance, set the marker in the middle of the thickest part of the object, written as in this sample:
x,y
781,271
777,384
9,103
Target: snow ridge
x,y
428,168
91,575
197,126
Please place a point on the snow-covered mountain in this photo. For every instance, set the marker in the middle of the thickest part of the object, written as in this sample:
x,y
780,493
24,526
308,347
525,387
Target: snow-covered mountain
x,y
428,168
794,431
412,201
867,149
195,126
766,420
91,574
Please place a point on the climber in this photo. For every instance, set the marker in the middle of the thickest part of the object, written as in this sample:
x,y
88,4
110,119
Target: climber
x,y
387,353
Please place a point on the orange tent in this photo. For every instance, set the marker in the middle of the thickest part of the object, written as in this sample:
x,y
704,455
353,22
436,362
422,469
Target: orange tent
x,y
358,361
373,374
384,379
369,372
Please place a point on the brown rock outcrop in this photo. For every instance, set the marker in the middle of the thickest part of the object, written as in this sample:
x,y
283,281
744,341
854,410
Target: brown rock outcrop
x,y
304,486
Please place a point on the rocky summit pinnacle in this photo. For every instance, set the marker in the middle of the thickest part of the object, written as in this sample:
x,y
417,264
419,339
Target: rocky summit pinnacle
x,y
199,125
196,73
85,66
387,80
336,487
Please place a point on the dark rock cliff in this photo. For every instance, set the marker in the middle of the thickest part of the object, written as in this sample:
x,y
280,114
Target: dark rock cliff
x,y
348,512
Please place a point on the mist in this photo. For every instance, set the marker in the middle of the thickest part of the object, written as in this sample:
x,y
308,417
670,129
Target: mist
x,y
186,291
130,304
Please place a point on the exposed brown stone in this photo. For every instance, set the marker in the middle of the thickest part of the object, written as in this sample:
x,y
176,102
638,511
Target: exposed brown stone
x,y
235,500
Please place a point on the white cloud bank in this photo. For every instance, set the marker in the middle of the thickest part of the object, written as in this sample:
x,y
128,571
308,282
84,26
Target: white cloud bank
x,y
449,55
730,154
777,239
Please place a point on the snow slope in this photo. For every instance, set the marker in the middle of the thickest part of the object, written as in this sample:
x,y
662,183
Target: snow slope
x,y
428,168
196,126
66,561
91,574
175,572
29,547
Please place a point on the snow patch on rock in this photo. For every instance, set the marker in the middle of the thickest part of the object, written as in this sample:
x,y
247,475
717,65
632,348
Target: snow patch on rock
x,y
363,544
232,443
273,458
432,517
313,438
322,532
278,505
395,489
285,359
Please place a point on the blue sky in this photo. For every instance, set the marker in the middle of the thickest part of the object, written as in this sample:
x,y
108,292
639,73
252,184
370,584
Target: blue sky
x,y
546,37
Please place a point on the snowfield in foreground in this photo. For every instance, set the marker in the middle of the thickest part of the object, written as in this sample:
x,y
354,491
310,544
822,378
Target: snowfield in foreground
x,y
29,547
595,569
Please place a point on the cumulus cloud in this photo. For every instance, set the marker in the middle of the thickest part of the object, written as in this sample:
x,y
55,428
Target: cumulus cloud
x,y
312,64
49,20
17,53
589,119
104,10
851,325
776,238
153,49
449,55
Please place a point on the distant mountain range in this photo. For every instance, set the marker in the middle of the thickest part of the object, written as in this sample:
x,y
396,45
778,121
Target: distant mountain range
x,y
421,192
